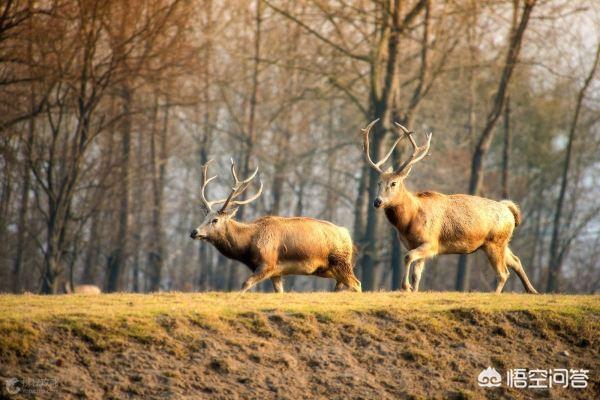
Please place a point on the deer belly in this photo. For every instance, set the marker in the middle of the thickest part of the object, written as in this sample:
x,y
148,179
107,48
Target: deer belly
x,y
461,247
305,267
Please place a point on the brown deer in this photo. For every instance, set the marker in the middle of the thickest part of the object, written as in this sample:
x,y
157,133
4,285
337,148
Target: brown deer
x,y
431,223
276,246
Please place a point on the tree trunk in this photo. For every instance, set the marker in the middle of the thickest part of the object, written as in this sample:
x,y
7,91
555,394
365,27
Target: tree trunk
x,y
369,256
158,158
360,205
90,263
555,262
23,211
279,171
471,87
116,260
330,194
506,150
51,257
5,200
138,206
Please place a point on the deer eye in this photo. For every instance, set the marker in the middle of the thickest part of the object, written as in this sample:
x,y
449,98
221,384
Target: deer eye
x,y
393,184
214,221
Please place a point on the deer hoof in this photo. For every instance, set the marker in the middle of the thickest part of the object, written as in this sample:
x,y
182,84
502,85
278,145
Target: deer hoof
x,y
407,288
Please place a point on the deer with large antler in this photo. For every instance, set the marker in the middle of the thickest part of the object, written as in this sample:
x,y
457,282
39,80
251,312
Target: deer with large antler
x,y
276,246
430,223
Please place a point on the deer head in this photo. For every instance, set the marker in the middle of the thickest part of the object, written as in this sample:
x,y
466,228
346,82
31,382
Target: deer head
x,y
214,221
391,182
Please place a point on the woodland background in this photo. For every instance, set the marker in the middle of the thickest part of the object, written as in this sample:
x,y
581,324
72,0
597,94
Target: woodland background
x,y
109,108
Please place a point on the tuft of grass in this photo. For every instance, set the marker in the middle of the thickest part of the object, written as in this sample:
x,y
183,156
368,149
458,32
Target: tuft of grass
x,y
17,337
220,365
415,355
95,338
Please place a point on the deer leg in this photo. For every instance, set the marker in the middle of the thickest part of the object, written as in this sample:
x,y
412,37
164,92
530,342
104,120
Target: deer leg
x,y
496,258
277,284
415,255
418,270
258,276
406,281
513,262
339,286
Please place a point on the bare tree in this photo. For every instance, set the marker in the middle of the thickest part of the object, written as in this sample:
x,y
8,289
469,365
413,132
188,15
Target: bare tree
x,y
108,109
506,149
519,25
558,244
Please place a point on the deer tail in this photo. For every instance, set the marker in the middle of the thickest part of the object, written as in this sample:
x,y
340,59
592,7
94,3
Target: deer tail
x,y
514,209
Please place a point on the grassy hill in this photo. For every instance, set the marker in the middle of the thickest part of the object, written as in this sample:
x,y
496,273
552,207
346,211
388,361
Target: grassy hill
x,y
295,345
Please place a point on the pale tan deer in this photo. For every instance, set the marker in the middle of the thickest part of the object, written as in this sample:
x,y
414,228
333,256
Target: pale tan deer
x,y
430,223
82,289
276,246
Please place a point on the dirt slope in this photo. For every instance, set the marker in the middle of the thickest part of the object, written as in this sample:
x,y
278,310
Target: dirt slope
x,y
294,346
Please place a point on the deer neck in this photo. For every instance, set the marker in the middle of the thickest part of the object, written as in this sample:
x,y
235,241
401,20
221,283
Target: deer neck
x,y
402,209
234,239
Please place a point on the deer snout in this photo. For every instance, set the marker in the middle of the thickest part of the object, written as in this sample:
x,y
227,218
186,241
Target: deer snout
x,y
194,234
377,203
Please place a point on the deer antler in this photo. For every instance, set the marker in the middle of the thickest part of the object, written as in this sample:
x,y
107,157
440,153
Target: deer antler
x,y
239,187
376,165
205,181
418,152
